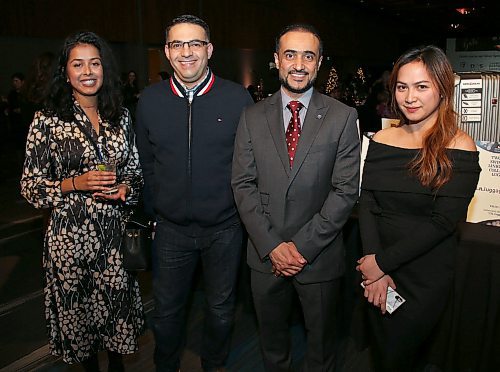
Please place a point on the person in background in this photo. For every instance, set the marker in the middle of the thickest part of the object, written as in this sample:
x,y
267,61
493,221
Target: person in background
x,y
4,124
295,186
37,82
15,96
4,115
376,105
418,180
16,106
163,75
91,302
131,93
185,133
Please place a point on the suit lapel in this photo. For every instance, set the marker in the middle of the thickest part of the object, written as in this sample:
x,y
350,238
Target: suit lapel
x,y
312,124
274,116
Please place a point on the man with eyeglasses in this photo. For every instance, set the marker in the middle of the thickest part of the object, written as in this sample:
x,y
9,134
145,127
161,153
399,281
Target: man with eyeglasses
x,y
185,134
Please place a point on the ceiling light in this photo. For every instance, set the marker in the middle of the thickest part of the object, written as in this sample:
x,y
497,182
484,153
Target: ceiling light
x,y
464,11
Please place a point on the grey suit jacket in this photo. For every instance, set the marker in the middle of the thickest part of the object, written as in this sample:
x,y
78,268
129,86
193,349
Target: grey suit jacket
x,y
308,204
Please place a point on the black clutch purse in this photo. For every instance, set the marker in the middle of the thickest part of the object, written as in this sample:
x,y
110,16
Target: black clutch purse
x,y
136,246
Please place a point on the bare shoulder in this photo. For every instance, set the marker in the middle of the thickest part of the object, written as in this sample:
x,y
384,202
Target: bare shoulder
x,y
463,141
387,136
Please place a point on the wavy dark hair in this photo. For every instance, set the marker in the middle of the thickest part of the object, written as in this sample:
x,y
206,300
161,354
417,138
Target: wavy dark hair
x,y
432,166
59,99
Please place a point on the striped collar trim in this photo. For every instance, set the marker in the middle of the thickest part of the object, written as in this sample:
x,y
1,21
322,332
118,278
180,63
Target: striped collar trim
x,y
203,88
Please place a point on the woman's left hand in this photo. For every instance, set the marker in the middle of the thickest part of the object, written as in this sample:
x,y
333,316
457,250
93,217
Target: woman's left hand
x,y
376,293
121,194
369,269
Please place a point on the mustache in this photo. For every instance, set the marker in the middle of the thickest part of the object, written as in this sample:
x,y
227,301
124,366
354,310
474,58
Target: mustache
x,y
294,71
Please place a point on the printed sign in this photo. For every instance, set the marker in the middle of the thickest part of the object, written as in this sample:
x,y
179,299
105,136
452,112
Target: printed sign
x,y
471,92
473,54
485,206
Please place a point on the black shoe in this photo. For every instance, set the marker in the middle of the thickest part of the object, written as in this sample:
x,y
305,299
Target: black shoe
x,y
91,364
115,362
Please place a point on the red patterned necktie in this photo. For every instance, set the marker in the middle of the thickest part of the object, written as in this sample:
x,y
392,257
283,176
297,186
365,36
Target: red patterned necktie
x,y
293,130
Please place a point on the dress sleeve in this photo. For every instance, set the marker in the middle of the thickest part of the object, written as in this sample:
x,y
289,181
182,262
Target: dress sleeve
x,y
131,173
39,185
368,209
446,213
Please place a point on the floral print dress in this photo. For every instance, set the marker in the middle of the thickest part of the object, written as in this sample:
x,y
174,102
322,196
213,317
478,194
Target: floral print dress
x,y
91,302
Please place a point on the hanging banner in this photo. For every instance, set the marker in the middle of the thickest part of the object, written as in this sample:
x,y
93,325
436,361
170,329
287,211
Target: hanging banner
x,y
485,206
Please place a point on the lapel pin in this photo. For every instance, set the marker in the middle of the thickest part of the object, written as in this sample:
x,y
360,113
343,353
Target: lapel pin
x,y
219,120
319,116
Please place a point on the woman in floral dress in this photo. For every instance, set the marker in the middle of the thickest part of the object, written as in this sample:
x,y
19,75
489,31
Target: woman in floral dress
x,y
92,303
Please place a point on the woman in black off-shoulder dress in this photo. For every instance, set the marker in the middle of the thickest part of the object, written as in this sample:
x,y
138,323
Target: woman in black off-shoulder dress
x,y
418,181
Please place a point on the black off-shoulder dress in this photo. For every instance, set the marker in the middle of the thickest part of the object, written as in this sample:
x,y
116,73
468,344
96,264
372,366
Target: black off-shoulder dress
x,y
412,231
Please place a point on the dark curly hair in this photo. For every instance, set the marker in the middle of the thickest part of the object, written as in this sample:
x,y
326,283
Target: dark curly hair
x,y
59,100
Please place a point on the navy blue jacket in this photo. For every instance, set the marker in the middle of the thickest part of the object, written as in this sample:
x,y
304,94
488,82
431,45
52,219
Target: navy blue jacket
x,y
186,151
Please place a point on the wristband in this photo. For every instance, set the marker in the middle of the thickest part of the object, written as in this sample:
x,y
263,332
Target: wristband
x,y
73,182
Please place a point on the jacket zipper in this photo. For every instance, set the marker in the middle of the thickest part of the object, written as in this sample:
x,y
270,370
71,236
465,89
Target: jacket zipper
x,y
189,165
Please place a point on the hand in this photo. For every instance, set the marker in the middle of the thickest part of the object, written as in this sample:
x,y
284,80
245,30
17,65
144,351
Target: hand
x,y
95,180
286,259
122,192
376,293
370,272
276,272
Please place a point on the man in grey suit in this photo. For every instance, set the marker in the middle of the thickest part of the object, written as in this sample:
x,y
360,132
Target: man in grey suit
x,y
295,186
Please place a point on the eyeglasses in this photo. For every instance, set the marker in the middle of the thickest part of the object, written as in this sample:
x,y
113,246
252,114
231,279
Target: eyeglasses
x,y
193,44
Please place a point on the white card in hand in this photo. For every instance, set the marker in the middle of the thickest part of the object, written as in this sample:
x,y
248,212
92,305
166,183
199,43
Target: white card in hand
x,y
393,301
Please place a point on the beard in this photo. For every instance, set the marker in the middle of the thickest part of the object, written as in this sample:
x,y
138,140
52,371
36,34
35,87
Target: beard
x,y
305,88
